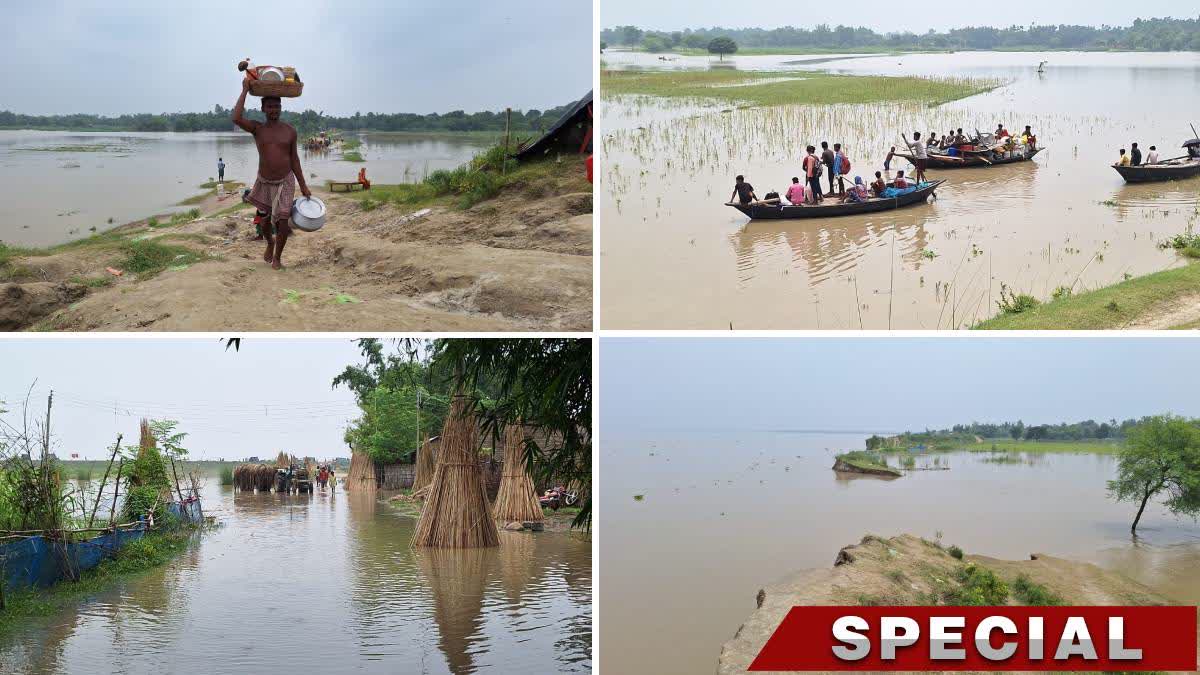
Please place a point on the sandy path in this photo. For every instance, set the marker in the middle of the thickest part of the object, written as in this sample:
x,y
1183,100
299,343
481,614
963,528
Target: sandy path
x,y
1181,311
511,263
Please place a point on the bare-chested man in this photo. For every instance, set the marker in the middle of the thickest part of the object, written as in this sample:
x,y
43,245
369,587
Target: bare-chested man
x,y
278,171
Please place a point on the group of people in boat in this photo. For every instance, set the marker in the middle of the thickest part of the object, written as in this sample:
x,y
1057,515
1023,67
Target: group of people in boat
x,y
1134,159
808,193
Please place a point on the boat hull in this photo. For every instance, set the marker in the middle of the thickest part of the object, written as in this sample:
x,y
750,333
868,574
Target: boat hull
x,y
1153,173
969,161
790,212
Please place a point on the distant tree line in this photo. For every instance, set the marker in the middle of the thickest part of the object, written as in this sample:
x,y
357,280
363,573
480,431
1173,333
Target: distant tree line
x,y
1087,430
309,121
1165,34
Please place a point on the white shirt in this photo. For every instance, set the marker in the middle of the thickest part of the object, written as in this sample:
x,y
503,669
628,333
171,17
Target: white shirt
x,y
918,149
1152,158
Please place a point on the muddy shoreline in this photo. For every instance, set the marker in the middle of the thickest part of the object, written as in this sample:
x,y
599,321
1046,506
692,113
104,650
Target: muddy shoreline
x,y
908,570
519,261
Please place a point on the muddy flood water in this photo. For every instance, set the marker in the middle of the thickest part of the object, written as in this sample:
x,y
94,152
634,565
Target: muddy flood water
x,y
726,513
55,185
327,583
673,256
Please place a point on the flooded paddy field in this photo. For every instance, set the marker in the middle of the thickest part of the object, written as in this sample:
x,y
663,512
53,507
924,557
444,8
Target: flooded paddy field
x,y
57,185
723,514
674,256
328,582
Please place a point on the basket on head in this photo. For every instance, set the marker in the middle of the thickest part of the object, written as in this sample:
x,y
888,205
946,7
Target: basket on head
x,y
281,89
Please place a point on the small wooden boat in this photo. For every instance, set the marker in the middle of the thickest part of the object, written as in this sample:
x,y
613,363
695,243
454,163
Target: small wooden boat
x,y
1176,168
765,211
970,159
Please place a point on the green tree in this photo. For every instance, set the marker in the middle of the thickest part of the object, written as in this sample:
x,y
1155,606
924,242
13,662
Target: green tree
x,y
722,46
1161,456
1017,430
392,423
546,383
654,44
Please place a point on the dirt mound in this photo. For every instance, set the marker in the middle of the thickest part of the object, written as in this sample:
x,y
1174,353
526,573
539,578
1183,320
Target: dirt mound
x,y
908,570
23,305
509,263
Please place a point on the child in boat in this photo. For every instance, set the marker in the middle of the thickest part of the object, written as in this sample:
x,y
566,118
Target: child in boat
x,y
900,183
878,186
857,193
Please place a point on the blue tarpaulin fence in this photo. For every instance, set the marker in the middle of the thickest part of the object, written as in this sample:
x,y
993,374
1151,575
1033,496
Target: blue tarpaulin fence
x,y
40,562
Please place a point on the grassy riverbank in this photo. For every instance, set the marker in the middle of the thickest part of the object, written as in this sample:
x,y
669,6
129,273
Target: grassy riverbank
x,y
1154,300
1089,447
788,88
478,180
135,557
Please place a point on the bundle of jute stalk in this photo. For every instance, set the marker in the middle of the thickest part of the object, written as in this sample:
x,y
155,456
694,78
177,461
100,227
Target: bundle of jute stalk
x,y
516,500
425,465
456,512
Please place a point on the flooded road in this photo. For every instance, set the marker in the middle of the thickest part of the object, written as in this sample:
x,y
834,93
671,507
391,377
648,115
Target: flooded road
x,y
673,256
56,185
725,513
328,583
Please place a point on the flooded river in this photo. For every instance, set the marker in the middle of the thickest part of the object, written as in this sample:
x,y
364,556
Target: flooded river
x,y
673,256
55,186
726,513
327,583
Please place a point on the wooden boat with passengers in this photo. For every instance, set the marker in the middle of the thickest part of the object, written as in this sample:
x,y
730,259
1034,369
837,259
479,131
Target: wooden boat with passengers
x,y
972,158
1176,168
777,211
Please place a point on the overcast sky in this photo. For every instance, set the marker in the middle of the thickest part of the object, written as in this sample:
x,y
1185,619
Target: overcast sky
x,y
884,16
889,384
121,56
270,396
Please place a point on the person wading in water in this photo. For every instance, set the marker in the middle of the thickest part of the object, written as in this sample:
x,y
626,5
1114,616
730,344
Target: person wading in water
x,y
278,171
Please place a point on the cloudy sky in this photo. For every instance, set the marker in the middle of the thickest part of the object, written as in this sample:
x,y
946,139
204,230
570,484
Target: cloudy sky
x,y
272,395
881,15
889,384
121,56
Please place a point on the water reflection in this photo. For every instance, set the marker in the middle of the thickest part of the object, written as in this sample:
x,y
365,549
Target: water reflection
x,y
57,185
748,508
1065,219
330,575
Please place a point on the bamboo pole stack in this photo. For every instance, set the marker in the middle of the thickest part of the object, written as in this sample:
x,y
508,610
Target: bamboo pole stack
x,y
516,499
457,513
425,466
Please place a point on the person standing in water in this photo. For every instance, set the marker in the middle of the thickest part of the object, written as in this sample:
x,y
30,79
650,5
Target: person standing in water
x,y
278,171
220,170
920,156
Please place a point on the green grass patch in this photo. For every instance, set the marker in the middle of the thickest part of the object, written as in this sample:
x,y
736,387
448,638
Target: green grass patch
x,y
812,88
91,282
1110,307
978,587
353,156
148,257
867,460
1033,594
482,178
227,475
1088,447
351,144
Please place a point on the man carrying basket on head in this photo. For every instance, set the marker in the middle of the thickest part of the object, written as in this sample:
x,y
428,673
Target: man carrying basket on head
x,y
278,171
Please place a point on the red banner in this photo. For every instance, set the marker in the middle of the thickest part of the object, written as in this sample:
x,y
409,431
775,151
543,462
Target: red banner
x,y
982,638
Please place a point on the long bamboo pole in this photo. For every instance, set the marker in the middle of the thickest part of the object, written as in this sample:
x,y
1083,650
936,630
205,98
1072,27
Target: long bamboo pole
x,y
176,475
112,514
104,481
